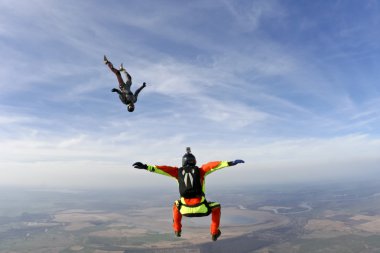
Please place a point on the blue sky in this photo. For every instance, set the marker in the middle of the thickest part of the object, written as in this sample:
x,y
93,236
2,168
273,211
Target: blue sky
x,y
291,87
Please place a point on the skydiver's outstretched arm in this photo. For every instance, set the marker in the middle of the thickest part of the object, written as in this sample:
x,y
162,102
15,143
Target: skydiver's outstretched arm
x,y
214,166
139,89
117,91
163,170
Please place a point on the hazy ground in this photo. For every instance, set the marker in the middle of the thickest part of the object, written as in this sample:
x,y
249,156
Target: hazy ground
x,y
297,219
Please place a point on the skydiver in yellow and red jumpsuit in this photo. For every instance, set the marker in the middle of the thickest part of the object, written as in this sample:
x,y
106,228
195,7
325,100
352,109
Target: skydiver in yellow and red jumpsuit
x,y
191,180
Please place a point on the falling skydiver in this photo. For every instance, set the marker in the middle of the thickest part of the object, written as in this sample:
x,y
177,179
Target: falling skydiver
x,y
191,180
125,94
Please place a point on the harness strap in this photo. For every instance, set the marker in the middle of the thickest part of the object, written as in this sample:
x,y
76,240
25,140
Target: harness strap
x,y
178,203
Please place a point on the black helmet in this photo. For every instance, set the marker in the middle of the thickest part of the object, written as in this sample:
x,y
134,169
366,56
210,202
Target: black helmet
x,y
188,159
131,107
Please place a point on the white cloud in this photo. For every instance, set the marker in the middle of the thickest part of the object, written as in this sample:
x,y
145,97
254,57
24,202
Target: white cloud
x,y
249,16
49,162
75,141
8,120
171,78
230,112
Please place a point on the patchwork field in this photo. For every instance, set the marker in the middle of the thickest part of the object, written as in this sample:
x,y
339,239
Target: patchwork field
x,y
131,228
284,220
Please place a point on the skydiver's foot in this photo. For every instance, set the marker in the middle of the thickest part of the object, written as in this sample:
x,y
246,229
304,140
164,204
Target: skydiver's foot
x,y
216,236
122,69
114,90
177,233
106,61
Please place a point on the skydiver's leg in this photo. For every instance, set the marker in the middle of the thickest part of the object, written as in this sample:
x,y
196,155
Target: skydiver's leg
x,y
138,91
128,83
118,75
177,218
215,217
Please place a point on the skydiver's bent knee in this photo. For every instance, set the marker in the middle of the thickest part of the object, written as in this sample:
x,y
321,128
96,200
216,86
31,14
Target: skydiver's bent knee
x,y
213,205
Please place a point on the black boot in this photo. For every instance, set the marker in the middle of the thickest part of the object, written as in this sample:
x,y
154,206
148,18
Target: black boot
x,y
177,233
105,60
216,236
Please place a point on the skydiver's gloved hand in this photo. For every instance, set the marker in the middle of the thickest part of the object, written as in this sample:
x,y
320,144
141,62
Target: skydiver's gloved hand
x,y
232,163
140,165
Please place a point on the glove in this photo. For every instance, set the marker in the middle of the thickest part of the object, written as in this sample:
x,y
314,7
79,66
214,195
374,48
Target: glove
x,y
232,163
140,165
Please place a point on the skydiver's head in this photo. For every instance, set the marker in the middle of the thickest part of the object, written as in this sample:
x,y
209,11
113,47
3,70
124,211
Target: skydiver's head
x,y
188,159
131,107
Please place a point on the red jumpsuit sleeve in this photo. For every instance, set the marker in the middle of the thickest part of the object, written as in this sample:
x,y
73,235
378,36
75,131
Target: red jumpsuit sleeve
x,y
164,170
213,166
